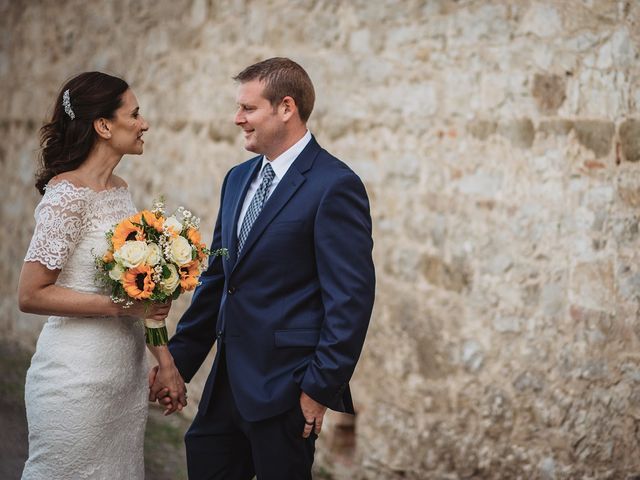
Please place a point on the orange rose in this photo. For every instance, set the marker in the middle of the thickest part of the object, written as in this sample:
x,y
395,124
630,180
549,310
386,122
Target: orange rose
x,y
137,282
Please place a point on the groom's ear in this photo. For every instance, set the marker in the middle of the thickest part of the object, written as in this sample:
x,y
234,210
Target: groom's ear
x,y
102,128
288,108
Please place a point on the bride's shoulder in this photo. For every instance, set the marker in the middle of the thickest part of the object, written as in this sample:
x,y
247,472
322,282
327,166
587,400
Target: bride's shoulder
x,y
66,187
67,179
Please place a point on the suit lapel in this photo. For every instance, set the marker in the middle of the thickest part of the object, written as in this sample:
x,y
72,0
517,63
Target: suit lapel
x,y
285,189
245,182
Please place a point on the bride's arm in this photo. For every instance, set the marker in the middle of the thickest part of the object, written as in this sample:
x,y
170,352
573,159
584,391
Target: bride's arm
x,y
38,293
165,381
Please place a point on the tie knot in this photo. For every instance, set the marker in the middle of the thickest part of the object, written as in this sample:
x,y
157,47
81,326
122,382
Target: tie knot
x,y
268,173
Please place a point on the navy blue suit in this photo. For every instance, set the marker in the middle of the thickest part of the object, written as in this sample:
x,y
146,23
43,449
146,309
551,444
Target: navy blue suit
x,y
291,311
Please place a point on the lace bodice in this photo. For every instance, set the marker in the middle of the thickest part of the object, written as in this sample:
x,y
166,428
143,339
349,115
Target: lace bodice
x,y
71,223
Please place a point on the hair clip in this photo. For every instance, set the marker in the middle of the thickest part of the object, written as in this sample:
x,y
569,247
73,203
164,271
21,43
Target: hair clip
x,y
66,103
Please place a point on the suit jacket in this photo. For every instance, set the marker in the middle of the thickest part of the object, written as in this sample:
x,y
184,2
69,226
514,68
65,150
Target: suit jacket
x,y
292,309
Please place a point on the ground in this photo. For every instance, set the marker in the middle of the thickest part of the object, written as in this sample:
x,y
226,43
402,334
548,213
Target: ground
x,y
164,449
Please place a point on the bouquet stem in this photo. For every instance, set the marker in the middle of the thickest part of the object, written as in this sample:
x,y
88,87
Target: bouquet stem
x,y
155,333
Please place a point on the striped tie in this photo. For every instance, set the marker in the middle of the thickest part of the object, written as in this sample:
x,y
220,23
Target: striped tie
x,y
256,205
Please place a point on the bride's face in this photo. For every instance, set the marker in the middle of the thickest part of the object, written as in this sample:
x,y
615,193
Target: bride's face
x,y
128,126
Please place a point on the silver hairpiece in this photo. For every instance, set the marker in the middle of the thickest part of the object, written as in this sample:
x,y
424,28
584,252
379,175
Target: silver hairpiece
x,y
66,103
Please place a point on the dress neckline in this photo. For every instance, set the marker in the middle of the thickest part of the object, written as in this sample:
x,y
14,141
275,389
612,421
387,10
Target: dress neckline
x,y
89,189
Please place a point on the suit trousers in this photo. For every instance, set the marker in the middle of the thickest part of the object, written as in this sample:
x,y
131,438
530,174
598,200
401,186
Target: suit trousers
x,y
221,445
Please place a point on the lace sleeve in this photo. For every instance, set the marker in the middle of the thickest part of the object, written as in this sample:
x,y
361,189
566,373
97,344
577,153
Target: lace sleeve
x,y
59,219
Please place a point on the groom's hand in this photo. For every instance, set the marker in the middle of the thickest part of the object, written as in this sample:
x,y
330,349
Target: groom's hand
x,y
167,387
313,414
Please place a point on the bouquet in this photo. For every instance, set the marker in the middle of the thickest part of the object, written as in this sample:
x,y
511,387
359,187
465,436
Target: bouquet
x,y
153,258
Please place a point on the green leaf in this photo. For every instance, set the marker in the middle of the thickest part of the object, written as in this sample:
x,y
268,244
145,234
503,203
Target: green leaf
x,y
166,273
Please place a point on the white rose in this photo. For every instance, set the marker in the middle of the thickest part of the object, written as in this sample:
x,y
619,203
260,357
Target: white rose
x,y
132,253
155,254
173,223
180,251
169,284
116,272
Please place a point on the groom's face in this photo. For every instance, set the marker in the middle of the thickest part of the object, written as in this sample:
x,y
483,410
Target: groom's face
x,y
261,123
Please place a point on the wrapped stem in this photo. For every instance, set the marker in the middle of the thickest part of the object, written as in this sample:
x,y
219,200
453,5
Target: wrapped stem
x,y
155,332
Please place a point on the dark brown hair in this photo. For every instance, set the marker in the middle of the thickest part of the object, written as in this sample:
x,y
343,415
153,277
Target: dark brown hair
x,y
282,77
66,142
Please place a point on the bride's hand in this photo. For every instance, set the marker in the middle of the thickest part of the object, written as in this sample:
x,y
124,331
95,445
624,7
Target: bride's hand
x,y
154,311
167,386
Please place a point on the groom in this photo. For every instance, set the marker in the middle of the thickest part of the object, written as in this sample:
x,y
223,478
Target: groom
x,y
290,306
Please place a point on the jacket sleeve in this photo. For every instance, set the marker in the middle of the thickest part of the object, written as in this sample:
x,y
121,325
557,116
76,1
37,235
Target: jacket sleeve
x,y
343,247
196,330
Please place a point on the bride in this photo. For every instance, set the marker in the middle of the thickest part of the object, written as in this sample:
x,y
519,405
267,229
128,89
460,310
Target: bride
x,y
86,390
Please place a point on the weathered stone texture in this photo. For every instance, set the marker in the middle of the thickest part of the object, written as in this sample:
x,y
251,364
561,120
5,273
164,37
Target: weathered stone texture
x,y
499,144
549,92
630,139
595,135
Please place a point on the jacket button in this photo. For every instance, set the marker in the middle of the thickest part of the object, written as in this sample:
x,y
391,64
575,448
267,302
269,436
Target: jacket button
x,y
231,290
219,334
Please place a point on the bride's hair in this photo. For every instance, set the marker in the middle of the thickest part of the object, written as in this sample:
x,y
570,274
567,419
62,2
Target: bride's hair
x,y
68,137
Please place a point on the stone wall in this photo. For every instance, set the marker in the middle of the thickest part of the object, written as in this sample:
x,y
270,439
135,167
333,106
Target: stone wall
x,y
499,143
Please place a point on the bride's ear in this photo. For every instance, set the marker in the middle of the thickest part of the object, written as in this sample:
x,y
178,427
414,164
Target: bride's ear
x,y
102,128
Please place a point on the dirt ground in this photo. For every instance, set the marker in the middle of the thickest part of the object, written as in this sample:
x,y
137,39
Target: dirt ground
x,y
164,448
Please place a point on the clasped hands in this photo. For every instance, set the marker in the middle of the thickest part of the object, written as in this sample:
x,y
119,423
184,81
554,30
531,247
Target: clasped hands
x,y
167,387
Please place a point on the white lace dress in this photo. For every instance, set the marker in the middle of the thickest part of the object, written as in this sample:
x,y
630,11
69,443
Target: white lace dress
x,y
86,389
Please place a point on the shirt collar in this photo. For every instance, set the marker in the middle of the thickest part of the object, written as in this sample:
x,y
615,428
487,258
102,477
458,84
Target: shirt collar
x,y
282,163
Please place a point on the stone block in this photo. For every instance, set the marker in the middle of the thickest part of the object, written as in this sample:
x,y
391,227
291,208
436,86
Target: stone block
x,y
553,299
629,134
592,285
556,126
482,184
520,132
481,128
542,20
596,135
628,190
549,92
625,230
455,276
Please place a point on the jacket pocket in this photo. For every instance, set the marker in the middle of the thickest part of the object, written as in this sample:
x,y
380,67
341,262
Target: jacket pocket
x,y
304,337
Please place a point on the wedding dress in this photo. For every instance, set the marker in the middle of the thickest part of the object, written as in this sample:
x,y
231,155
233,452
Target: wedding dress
x,y
86,388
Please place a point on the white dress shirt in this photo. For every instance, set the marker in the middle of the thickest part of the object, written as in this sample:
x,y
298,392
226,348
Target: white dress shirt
x,y
280,166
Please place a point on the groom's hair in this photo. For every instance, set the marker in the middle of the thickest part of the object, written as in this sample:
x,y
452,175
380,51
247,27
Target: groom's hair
x,y
282,77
